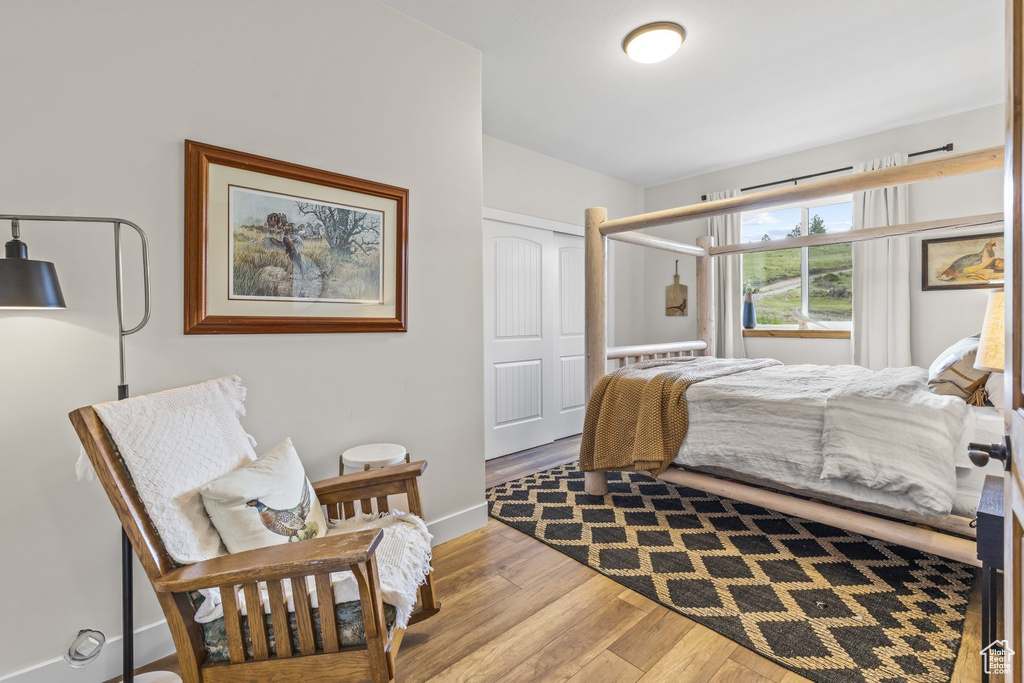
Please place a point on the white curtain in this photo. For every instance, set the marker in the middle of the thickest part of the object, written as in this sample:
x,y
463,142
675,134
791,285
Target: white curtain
x,y
728,283
881,275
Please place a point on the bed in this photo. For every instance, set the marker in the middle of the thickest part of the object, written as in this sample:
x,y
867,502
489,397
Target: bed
x,y
723,452
766,427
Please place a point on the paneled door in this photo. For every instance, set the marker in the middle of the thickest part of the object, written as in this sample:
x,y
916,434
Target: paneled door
x,y
568,360
533,336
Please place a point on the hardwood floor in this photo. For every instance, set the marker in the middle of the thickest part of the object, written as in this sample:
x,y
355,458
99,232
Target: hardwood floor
x,y
517,465
515,610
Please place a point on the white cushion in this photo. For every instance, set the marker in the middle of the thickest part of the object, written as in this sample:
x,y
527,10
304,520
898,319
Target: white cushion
x,y
268,502
173,442
953,372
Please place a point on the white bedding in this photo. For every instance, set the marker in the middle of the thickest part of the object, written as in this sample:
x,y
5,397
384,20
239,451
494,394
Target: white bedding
x,y
885,441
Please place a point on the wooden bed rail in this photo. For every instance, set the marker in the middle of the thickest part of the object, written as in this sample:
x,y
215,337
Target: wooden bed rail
x,y
923,539
624,354
987,219
655,349
658,243
954,164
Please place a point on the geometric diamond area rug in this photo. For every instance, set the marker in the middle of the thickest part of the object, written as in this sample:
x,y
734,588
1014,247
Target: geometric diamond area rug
x,y
831,605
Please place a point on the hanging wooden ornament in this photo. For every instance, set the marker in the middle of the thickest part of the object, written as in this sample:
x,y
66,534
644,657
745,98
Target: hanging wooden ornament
x,y
675,296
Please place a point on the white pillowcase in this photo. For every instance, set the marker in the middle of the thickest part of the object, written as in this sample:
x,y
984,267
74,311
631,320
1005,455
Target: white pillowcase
x,y
953,372
267,502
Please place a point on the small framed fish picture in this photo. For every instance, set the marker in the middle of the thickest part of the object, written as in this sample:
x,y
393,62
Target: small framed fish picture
x,y
970,262
273,247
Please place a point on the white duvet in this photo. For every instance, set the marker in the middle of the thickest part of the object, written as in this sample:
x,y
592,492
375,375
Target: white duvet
x,y
876,437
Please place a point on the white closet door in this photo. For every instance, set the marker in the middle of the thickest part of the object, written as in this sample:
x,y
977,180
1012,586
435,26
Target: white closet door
x,y
568,349
533,337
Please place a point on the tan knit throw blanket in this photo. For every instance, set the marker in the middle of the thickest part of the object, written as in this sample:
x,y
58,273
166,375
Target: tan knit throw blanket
x,y
637,417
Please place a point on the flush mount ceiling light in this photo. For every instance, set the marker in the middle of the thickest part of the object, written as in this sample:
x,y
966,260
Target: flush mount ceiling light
x,y
655,42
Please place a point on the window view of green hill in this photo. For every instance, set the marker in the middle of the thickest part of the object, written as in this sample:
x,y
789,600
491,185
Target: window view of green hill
x,y
774,279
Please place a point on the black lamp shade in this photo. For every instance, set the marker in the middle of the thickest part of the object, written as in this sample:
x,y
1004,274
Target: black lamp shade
x,y
29,284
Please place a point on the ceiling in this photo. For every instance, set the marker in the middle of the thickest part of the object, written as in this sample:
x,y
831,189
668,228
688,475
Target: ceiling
x,y
754,79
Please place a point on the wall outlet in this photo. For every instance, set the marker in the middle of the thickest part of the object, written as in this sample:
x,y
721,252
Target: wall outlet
x,y
85,647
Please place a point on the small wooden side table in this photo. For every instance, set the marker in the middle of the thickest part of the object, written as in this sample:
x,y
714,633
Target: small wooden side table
x,y
990,552
373,456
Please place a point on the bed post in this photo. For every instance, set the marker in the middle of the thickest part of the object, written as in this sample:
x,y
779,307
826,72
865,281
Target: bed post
x,y
596,244
706,295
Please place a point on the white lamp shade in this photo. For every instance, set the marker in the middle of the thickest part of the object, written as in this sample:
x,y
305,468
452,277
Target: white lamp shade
x,y
993,335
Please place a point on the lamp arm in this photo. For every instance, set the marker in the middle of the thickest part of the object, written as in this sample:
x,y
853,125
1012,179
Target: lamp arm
x,y
127,599
117,223
145,277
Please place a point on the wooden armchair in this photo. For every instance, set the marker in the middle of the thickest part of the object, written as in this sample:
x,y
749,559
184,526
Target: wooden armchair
x,y
262,649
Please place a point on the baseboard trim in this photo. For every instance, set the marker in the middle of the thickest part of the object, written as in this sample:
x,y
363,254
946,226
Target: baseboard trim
x,y
152,642
458,523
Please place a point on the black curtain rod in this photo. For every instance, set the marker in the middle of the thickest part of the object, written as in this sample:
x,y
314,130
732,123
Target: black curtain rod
x,y
948,147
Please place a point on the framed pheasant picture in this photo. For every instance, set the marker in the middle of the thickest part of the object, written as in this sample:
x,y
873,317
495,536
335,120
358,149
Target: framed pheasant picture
x,y
274,247
970,262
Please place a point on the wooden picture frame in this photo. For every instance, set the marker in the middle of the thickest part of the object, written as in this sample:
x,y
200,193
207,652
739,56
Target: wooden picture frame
x,y
273,247
962,262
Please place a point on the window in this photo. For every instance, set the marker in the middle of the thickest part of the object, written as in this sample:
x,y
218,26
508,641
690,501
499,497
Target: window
x,y
816,282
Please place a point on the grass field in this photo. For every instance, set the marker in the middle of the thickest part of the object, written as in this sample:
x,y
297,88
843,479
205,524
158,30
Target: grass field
x,y
351,277
774,277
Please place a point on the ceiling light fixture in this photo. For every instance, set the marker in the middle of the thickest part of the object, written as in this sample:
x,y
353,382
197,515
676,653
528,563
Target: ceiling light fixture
x,y
655,42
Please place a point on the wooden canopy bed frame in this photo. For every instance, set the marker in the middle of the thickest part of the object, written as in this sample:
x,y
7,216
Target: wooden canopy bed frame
x,y
598,230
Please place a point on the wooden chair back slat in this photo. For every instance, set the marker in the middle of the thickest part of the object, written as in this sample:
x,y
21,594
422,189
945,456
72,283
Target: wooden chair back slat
x,y
232,624
328,625
303,616
382,504
365,505
279,618
257,621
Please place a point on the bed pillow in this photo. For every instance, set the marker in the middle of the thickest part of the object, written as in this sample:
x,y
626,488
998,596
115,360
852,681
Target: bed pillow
x,y
953,372
268,502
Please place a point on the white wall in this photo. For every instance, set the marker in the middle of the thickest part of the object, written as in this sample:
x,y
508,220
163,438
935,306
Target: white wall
x,y
938,318
523,181
98,102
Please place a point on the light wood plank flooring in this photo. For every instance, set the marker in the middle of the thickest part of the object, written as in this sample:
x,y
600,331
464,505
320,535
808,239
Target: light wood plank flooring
x,y
515,610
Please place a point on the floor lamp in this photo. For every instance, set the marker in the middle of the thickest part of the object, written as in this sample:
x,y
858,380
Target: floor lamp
x,y
30,285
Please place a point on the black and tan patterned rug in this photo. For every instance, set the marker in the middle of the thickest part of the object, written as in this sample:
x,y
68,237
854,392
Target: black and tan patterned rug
x,y
830,605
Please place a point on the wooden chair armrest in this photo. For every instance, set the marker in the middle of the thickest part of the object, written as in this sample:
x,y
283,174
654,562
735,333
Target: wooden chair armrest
x,y
357,480
305,558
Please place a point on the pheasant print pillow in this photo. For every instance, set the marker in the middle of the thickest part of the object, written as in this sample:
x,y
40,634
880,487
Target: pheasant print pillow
x,y
268,502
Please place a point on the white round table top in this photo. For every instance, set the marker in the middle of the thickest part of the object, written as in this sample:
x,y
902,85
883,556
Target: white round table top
x,y
374,455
